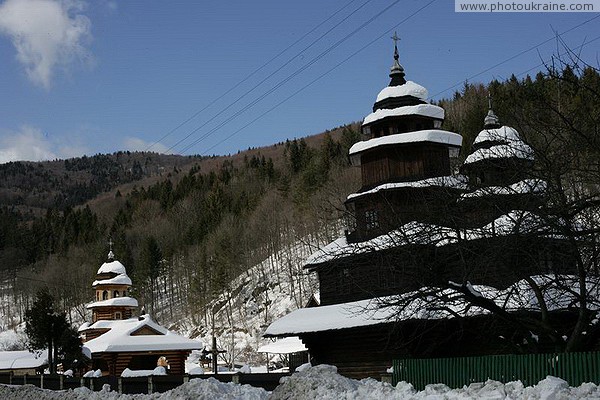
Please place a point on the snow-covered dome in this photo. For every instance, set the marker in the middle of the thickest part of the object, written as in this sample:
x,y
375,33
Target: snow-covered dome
x,y
114,267
410,88
504,134
506,143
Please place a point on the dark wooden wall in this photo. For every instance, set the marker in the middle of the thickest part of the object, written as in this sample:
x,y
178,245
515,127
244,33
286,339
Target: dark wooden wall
x,y
403,163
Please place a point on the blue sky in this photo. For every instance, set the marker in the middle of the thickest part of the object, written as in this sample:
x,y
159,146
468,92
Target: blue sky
x,y
100,76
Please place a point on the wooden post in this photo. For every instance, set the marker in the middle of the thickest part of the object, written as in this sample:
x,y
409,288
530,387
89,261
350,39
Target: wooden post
x,y
25,379
215,353
235,378
92,384
186,378
81,382
61,382
41,381
150,384
10,376
120,384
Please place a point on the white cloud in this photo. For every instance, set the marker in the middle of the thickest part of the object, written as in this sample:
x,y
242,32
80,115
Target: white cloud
x,y
136,144
47,34
30,144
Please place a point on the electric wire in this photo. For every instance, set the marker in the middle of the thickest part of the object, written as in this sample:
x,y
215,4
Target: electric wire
x,y
251,74
321,76
288,62
373,41
292,75
513,57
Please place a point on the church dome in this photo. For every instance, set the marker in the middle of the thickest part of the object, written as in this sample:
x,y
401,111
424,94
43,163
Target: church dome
x,y
410,88
113,266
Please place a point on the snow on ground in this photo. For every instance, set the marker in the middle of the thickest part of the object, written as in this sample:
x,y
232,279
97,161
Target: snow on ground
x,y
261,295
322,382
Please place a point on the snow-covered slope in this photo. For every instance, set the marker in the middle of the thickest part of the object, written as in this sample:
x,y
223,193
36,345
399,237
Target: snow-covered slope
x,y
266,292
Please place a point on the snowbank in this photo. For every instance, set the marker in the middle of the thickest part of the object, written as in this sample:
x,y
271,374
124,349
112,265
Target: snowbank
x,y
128,373
197,389
324,383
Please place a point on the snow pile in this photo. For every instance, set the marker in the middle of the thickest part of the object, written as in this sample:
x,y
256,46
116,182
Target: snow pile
x,y
128,373
93,374
323,382
197,389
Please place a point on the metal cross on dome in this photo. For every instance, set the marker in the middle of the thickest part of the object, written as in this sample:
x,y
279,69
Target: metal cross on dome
x,y
111,255
395,38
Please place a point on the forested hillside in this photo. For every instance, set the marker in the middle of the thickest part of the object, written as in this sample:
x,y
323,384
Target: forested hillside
x,y
193,232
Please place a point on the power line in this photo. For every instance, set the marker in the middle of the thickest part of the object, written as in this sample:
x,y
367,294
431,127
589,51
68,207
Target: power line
x,y
369,44
250,75
294,74
513,57
321,76
289,61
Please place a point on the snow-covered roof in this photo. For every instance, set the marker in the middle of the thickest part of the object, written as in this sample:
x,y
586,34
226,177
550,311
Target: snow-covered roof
x,y
454,181
427,135
559,293
501,151
287,345
116,301
509,145
112,267
533,186
121,279
22,359
410,88
324,318
426,110
514,222
504,134
119,337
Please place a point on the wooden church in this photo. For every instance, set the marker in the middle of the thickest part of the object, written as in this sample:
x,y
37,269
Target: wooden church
x,y
117,339
415,224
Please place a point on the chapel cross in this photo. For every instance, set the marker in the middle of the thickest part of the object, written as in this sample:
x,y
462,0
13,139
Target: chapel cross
x,y
395,38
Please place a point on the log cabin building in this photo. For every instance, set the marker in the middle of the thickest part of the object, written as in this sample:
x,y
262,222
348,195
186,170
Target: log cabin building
x,y
117,339
417,224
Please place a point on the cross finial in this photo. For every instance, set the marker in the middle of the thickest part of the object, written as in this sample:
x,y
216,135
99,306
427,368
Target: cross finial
x,y
491,120
111,255
395,38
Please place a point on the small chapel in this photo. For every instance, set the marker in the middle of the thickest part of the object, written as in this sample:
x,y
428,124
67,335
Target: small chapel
x,y
117,339
420,221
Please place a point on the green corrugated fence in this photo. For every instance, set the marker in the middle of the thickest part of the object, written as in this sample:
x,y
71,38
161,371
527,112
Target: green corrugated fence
x,y
575,368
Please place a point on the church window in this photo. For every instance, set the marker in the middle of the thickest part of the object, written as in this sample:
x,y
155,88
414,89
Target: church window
x,y
371,219
105,295
118,315
116,293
